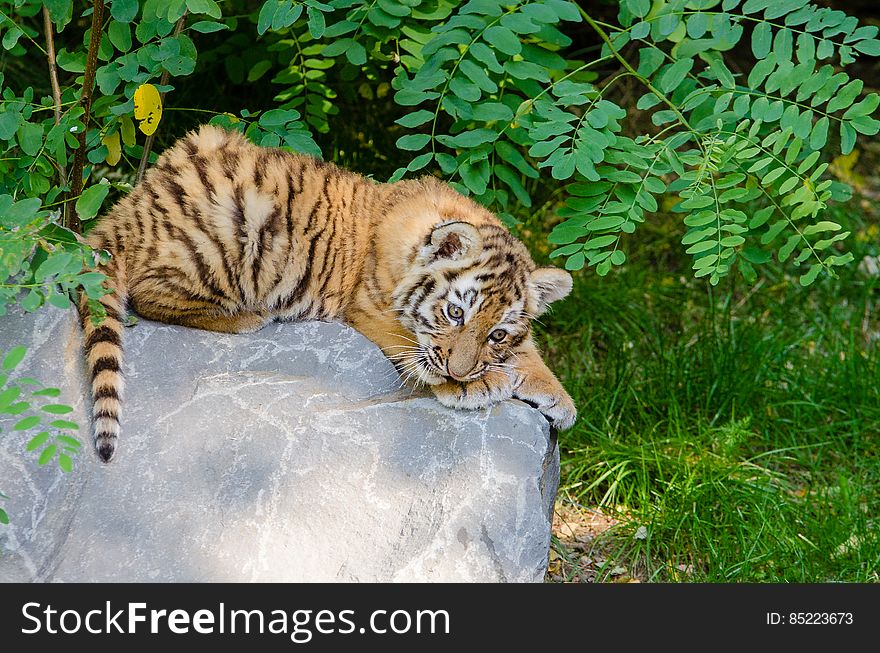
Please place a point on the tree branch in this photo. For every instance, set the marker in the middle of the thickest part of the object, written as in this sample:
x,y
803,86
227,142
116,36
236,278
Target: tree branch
x,y
148,144
56,89
86,102
604,36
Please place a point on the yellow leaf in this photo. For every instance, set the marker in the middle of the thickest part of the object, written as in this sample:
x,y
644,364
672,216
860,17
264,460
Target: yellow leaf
x,y
147,108
843,167
114,148
127,128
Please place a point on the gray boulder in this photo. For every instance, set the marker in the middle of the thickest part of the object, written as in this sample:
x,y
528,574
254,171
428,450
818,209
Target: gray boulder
x,y
286,455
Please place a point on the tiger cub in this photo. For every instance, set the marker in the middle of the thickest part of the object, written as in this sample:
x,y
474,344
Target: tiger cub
x,y
227,236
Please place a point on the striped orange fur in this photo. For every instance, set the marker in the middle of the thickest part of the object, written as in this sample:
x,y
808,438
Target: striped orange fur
x,y
227,236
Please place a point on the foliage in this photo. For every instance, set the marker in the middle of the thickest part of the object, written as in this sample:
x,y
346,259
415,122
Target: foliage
x,y
493,95
42,261
741,106
54,439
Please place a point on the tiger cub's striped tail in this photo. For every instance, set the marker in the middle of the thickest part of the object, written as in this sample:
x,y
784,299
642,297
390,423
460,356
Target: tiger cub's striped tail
x,y
103,350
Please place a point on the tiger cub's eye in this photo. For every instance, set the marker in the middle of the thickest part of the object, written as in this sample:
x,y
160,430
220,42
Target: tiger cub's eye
x,y
498,335
455,312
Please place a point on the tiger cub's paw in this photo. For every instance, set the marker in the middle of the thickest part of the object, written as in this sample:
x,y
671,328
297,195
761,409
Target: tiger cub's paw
x,y
489,389
551,399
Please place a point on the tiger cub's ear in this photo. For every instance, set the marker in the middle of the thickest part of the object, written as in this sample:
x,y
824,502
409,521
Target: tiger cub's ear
x,y
547,285
452,241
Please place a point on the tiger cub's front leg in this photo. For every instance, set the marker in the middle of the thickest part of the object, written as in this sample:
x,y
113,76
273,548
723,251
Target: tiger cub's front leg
x,y
492,387
530,380
537,385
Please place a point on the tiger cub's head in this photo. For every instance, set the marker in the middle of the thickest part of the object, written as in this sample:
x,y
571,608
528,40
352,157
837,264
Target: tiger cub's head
x,y
469,298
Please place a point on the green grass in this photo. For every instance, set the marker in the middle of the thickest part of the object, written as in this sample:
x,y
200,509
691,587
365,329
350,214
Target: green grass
x,y
738,425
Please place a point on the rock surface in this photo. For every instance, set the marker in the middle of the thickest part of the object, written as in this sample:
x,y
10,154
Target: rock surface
x,y
285,455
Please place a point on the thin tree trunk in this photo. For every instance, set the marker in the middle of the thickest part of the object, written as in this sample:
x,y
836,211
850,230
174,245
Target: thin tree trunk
x,y
56,91
86,103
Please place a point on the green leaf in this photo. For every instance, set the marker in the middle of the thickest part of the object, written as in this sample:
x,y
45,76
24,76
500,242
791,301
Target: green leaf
x,y
492,111
783,45
788,185
819,135
761,70
415,119
120,35
503,40
69,442
9,121
317,24
720,70
512,156
14,357
756,255
566,250
675,74
464,89
864,108
607,222
32,301
648,100
56,409
566,233
27,423
89,203
485,55
420,161
9,395
527,70
786,250
865,125
65,463
575,262
697,25
870,47
356,54
48,454
820,227
47,392
701,247
845,96
847,138
762,40
413,142
124,11
4,518
59,300
638,8
208,7
650,59
474,137
267,15
64,424
38,440
773,175
208,26
30,137
179,65
810,276
55,263
10,39
640,30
